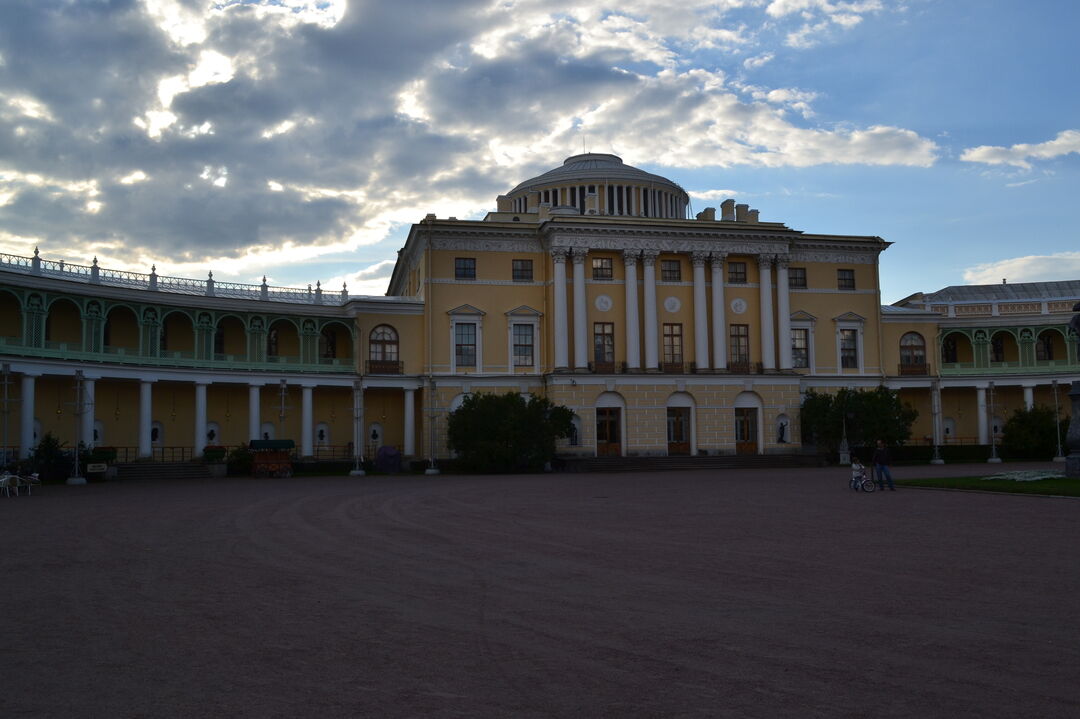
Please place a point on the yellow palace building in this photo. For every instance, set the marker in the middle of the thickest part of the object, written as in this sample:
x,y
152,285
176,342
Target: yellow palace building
x,y
591,284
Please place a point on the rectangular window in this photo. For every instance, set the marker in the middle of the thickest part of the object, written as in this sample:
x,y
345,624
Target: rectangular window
x,y
603,342
845,279
465,344
523,346
464,268
670,270
849,349
800,347
739,344
796,278
601,268
522,270
736,273
673,343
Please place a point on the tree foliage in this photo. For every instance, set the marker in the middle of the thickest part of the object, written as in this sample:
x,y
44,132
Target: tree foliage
x,y
50,460
507,433
869,415
1032,434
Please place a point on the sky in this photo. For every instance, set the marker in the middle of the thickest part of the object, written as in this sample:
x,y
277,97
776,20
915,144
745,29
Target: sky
x,y
299,139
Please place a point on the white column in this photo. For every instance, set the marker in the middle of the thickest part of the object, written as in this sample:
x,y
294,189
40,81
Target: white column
x,y
558,291
26,418
783,313
145,417
254,412
701,313
200,419
652,345
935,411
984,433
719,330
307,443
633,340
768,349
581,337
88,403
1029,397
409,448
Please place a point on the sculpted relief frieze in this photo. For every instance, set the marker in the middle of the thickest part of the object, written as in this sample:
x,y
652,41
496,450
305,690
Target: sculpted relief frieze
x,y
848,258
468,244
671,244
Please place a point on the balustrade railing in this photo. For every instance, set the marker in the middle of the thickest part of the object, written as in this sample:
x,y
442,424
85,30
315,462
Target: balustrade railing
x,y
93,274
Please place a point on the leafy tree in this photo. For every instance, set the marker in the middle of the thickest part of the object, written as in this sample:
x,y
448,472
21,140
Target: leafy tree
x,y
49,459
1031,434
869,415
507,433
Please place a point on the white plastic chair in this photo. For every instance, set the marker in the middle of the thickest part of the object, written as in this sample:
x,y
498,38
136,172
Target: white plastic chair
x,y
9,482
28,481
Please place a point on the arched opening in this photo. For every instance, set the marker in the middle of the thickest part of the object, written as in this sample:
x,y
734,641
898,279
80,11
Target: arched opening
x,y
1050,346
681,434
177,336
12,328
956,349
748,420
157,433
213,434
282,342
383,351
120,333
322,435
912,354
783,429
63,326
574,440
610,424
266,430
1003,348
230,339
98,437
949,430
335,343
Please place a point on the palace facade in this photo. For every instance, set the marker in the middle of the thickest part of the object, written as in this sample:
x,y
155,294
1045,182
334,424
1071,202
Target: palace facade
x,y
665,333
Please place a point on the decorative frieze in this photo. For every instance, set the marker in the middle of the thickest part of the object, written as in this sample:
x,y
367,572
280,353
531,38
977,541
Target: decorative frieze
x,y
1020,308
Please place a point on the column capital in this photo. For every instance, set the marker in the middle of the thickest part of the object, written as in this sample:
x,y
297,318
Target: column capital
x,y
579,254
648,256
558,254
718,258
630,258
764,261
697,259
782,261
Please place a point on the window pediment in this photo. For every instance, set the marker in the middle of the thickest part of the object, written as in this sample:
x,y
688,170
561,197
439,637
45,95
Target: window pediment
x,y
524,311
466,310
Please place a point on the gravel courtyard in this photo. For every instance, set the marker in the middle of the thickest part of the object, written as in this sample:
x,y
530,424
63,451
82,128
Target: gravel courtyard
x,y
758,593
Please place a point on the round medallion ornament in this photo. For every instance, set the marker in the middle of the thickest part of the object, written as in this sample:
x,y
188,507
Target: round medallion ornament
x,y
738,305
603,303
672,304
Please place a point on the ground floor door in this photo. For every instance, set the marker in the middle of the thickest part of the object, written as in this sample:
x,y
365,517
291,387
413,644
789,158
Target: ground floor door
x,y
608,435
746,434
678,431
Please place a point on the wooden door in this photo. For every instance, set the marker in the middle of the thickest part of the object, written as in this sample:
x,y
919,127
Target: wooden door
x,y
678,431
746,441
608,439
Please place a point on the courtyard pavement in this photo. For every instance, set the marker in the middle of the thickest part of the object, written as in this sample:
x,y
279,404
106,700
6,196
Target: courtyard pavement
x,y
756,593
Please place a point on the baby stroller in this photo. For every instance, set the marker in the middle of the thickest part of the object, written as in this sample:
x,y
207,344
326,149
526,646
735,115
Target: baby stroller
x,y
859,478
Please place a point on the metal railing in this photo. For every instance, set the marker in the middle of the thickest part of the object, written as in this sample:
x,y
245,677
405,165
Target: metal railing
x,y
913,369
385,367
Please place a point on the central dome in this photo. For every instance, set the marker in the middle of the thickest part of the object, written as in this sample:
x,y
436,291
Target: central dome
x,y
599,184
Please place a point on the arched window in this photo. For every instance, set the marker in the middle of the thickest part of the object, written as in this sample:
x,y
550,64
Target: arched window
x,y
384,344
912,350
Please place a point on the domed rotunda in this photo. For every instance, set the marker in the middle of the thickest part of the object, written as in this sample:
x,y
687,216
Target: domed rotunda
x,y
598,184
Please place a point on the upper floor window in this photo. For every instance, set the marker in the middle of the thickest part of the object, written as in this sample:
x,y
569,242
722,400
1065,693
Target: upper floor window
x,y
845,279
670,270
465,344
796,278
523,345
522,270
997,348
736,273
912,349
601,268
800,347
464,268
383,344
949,351
603,342
271,342
1044,347
739,344
328,344
673,347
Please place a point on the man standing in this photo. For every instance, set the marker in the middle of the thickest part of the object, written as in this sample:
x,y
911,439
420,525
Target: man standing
x,y
881,466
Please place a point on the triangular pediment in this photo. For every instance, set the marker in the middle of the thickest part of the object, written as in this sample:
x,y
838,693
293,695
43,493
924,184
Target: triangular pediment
x,y
524,311
466,310
803,316
849,317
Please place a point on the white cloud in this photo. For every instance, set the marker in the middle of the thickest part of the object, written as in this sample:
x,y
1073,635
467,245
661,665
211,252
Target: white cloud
x,y
712,195
1030,268
1067,142
752,63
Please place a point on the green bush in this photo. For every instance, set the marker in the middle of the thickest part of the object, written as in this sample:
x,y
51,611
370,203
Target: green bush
x,y
1031,434
507,433
50,461
239,462
213,453
867,415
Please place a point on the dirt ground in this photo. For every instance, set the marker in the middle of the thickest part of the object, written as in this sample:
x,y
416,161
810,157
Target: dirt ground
x,y
759,593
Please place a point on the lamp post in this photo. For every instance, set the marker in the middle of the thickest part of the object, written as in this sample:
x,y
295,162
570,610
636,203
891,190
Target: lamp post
x,y
6,382
358,429
1060,456
432,467
80,408
935,406
994,458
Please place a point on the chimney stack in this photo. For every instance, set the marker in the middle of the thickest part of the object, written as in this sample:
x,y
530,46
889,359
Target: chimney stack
x,y
727,210
740,212
707,215
752,216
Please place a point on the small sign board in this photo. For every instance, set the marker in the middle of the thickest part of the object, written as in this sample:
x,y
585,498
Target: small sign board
x,y
97,467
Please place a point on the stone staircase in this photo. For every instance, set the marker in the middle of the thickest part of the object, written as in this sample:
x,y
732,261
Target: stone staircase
x,y
673,464
161,470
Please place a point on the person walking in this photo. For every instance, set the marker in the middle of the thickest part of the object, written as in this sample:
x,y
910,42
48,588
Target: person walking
x,y
881,466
